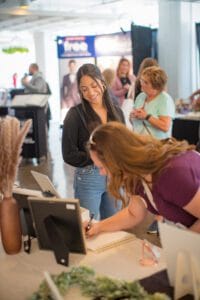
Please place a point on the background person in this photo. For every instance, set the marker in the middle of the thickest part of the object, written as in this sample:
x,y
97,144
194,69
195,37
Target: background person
x,y
154,109
195,100
195,95
109,75
37,84
14,80
95,108
123,83
158,176
146,62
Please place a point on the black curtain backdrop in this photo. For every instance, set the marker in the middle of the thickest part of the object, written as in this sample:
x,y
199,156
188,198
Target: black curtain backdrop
x,y
141,44
154,48
198,38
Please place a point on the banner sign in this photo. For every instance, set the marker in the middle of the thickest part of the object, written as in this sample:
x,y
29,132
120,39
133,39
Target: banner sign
x,y
116,44
75,47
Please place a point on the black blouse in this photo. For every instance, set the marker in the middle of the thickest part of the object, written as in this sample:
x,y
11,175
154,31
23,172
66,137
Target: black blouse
x,y
75,136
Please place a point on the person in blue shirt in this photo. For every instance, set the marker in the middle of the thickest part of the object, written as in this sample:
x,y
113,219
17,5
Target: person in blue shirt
x,y
154,108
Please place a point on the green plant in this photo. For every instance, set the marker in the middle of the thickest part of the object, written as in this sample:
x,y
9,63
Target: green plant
x,y
96,288
12,50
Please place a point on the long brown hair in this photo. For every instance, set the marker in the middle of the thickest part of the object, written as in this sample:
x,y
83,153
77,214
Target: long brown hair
x,y
129,156
92,119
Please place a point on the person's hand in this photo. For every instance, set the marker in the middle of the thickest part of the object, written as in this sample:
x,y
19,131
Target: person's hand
x,y
126,86
25,79
94,229
140,113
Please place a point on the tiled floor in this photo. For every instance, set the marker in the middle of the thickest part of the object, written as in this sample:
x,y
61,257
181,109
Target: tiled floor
x,y
62,176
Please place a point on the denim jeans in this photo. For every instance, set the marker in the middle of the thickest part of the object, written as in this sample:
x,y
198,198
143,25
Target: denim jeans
x,y
91,190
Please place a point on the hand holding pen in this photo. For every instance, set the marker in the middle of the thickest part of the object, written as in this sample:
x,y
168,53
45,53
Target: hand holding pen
x,y
90,222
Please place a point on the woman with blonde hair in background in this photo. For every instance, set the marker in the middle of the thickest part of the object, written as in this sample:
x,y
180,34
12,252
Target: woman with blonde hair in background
x,y
109,75
162,177
123,83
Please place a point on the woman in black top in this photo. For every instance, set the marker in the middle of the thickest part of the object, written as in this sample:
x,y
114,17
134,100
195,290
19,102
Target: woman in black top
x,y
95,108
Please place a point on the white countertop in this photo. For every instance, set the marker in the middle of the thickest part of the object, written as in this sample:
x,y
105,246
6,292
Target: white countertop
x,y
22,273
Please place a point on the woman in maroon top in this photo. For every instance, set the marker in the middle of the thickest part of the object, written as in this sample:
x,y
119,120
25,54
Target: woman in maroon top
x,y
160,176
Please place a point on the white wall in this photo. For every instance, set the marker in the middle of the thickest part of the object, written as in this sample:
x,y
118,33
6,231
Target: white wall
x,y
46,57
177,46
19,62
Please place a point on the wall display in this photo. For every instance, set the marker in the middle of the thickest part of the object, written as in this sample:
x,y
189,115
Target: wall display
x,y
116,44
105,50
73,51
69,95
75,46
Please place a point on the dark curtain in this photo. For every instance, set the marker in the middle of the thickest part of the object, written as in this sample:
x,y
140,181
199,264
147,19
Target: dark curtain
x,y
154,49
198,38
141,44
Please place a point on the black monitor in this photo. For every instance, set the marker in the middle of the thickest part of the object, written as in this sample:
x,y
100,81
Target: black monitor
x,y
58,226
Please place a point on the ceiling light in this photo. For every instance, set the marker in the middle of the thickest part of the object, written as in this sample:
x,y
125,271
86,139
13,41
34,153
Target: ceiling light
x,y
24,3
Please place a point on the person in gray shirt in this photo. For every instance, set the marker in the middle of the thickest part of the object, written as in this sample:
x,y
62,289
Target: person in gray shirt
x,y
37,84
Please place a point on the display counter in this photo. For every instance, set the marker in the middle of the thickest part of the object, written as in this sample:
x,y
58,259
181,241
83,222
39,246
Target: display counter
x,y
22,273
186,127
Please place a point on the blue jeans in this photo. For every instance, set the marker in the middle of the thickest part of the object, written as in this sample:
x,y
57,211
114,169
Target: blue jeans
x,y
91,190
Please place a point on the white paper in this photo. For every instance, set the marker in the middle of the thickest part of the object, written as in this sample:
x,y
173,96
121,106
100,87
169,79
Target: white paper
x,y
27,192
107,240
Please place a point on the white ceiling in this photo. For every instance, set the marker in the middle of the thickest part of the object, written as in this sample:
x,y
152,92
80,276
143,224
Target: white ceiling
x,y
75,17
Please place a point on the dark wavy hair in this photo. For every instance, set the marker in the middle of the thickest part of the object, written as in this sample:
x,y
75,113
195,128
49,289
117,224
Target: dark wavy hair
x,y
91,117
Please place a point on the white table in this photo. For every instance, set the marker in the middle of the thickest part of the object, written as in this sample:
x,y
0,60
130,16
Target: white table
x,y
21,274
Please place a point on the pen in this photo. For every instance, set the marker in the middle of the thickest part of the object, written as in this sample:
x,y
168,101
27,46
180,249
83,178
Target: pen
x,y
90,222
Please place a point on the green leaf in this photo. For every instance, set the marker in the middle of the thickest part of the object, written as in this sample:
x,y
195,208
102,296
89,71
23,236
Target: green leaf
x,y
96,288
13,50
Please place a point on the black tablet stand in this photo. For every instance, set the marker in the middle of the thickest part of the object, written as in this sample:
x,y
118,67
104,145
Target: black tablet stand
x,y
57,241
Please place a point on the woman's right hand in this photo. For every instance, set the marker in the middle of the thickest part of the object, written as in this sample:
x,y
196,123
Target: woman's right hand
x,y
94,229
126,86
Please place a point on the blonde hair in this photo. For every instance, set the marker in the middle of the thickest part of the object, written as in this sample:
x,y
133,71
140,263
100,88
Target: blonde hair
x,y
123,59
156,76
129,156
109,75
